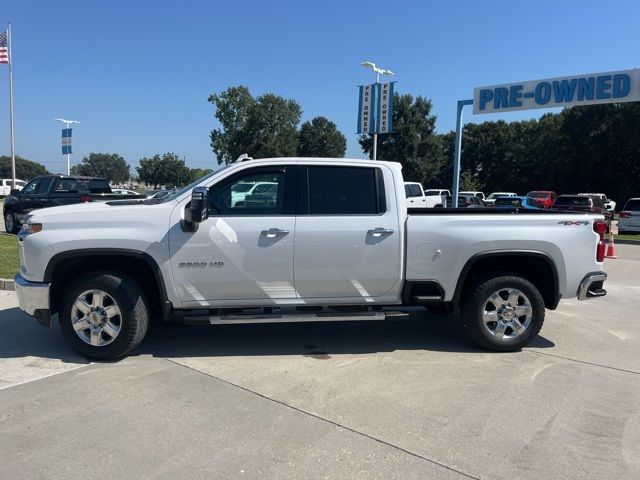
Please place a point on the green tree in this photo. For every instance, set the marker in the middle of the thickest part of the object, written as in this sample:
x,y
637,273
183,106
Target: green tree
x,y
321,138
413,142
167,169
197,173
105,165
262,127
25,169
469,183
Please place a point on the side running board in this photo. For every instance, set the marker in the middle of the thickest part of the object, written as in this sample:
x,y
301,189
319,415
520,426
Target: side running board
x,y
292,317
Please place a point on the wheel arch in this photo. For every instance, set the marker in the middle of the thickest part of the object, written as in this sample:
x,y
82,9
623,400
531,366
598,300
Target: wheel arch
x,y
139,265
538,267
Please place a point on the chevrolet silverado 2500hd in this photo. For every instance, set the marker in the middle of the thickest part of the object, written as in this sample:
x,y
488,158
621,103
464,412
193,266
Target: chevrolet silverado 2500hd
x,y
333,240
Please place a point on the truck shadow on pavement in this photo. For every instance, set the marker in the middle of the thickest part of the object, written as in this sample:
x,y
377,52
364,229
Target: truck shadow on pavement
x,y
21,336
320,340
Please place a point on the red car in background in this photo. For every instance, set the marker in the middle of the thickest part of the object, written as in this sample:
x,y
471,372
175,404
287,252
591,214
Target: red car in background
x,y
545,198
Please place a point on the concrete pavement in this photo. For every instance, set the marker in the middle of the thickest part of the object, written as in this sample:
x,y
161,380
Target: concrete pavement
x,y
404,399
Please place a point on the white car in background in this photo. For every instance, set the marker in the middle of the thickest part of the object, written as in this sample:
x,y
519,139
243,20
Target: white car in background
x,y
6,185
123,191
241,191
436,197
608,204
629,220
480,195
491,199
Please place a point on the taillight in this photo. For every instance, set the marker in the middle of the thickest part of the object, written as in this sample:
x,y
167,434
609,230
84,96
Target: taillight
x,y
600,227
85,198
625,214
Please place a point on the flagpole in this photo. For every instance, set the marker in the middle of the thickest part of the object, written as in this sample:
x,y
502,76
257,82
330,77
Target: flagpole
x,y
13,139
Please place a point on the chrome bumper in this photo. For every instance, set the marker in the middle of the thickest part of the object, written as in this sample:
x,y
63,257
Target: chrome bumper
x,y
591,286
33,297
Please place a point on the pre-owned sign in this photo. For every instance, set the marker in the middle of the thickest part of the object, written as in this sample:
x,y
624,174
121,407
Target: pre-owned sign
x,y
609,87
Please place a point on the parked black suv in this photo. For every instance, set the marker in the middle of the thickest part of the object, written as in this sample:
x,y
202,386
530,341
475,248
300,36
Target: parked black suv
x,y
53,191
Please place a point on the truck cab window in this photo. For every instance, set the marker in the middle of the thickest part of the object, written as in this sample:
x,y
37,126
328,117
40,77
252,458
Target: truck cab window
x,y
343,191
258,193
31,187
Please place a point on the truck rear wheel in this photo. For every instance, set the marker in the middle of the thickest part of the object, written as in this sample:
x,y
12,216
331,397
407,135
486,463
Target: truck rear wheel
x,y
104,315
503,312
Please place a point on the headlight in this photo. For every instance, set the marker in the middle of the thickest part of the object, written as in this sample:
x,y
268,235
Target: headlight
x,y
28,228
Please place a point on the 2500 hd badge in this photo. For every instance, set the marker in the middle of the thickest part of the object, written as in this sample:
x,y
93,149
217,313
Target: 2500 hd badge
x,y
200,264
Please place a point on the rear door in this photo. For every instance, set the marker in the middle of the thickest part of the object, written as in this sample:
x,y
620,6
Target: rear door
x,y
347,242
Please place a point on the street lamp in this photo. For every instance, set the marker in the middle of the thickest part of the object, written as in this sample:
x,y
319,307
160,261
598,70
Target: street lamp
x,y
378,71
67,123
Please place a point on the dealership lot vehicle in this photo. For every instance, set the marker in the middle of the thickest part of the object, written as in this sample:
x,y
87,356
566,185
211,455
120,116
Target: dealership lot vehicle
x,y
546,198
51,191
516,202
493,196
357,249
607,202
582,203
629,220
417,197
480,195
124,191
6,185
466,201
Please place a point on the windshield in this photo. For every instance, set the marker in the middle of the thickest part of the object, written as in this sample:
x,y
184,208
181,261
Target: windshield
x,y
633,205
498,194
175,194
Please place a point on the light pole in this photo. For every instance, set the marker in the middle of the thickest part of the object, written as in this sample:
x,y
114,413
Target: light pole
x,y
67,123
378,71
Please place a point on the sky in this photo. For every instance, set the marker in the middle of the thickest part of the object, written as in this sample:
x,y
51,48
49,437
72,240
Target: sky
x,y
137,74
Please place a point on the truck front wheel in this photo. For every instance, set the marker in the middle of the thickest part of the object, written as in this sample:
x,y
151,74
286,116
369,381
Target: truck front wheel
x,y
104,315
503,312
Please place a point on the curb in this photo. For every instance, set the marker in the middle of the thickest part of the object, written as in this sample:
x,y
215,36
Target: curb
x,y
6,284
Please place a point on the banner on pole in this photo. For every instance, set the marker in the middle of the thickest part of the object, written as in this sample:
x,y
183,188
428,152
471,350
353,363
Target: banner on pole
x,y
66,141
375,108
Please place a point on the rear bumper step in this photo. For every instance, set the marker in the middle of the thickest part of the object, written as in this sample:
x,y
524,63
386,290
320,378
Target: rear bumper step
x,y
591,286
292,317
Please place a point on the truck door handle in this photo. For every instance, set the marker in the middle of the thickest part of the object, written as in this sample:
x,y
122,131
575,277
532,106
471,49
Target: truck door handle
x,y
380,232
274,232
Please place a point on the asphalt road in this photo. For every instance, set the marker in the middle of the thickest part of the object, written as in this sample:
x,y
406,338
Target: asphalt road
x,y
403,399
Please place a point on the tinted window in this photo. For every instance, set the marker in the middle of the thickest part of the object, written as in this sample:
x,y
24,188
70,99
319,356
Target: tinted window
x,y
573,201
264,197
73,185
31,187
632,205
342,191
412,191
45,183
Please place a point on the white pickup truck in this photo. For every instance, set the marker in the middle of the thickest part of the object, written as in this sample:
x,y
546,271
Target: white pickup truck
x,y
417,197
334,241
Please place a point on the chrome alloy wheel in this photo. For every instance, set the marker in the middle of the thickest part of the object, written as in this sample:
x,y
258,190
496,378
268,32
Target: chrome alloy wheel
x,y
507,313
96,318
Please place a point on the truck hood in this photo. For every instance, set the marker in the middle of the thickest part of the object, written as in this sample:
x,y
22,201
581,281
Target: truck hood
x,y
102,213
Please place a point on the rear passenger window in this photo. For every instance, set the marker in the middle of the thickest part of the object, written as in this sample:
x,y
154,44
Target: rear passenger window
x,y
344,191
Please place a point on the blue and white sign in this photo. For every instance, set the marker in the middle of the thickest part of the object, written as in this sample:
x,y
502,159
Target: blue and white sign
x,y
590,89
375,108
66,141
365,115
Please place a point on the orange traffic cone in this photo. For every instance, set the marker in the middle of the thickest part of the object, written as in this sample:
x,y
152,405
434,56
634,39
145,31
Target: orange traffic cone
x,y
611,248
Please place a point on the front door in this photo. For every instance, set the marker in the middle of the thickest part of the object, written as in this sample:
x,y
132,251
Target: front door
x,y
244,250
347,236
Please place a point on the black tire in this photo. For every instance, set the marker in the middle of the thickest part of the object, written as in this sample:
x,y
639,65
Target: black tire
x,y
11,219
479,295
133,321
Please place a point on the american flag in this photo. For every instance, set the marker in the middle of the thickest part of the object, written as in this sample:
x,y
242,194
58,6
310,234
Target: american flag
x,y
4,51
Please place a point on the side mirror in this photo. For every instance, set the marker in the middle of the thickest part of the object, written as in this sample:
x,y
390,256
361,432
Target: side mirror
x,y
15,192
198,211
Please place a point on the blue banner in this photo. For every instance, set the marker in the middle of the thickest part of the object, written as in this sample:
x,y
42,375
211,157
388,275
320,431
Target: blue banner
x,y
66,141
375,108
